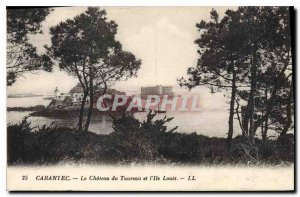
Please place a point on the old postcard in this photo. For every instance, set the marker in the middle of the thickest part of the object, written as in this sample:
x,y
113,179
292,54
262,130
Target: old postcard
x,y
150,98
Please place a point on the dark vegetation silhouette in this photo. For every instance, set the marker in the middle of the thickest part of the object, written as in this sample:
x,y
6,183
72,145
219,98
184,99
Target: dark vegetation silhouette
x,y
247,55
22,57
138,142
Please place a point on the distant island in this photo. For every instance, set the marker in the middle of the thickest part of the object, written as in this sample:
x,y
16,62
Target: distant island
x,y
23,95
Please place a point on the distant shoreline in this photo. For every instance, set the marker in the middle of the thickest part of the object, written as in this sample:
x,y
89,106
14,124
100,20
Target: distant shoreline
x,y
24,95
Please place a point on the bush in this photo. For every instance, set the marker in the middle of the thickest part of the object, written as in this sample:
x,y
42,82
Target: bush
x,y
137,142
132,140
151,141
17,138
49,145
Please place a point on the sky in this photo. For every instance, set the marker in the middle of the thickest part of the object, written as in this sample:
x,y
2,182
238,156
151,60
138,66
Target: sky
x,y
162,37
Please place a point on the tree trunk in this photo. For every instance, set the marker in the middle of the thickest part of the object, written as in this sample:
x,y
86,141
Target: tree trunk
x,y
251,97
248,116
245,120
89,115
90,111
265,126
265,131
269,104
288,112
231,110
81,112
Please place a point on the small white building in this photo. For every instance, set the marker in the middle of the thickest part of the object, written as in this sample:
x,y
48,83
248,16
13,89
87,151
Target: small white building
x,y
77,94
59,95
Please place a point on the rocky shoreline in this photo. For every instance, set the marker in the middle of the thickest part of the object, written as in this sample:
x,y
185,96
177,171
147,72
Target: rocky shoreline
x,y
32,108
64,109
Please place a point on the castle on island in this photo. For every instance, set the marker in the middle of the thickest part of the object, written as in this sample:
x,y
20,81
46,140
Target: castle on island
x,y
157,90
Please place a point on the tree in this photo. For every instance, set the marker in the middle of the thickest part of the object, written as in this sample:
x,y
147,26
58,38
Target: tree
x,y
219,64
269,63
22,56
248,54
86,48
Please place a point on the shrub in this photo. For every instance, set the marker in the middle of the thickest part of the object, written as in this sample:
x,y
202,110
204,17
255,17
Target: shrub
x,y
137,142
132,141
150,139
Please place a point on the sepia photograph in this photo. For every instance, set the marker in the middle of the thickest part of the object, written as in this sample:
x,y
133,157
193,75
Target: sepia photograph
x,y
104,98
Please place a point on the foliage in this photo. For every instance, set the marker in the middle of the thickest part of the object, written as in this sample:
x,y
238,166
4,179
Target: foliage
x,y
86,48
247,53
138,142
22,57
